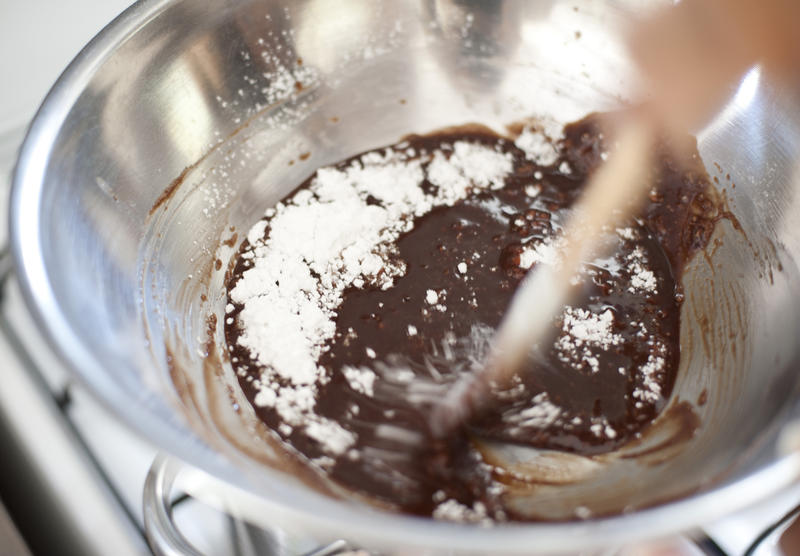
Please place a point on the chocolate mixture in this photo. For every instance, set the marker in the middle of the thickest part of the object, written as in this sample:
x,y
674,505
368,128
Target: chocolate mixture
x,y
606,375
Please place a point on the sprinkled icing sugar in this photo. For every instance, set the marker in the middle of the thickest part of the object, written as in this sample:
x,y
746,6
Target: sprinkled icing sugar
x,y
642,278
650,391
536,146
339,233
331,434
539,252
298,274
452,510
533,191
583,333
590,328
383,317
431,297
360,380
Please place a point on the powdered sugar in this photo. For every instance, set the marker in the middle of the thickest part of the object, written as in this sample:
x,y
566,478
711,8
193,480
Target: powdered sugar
x,y
650,391
361,380
452,510
330,434
337,234
537,146
431,297
539,252
582,334
533,191
468,166
643,280
627,233
600,428
590,328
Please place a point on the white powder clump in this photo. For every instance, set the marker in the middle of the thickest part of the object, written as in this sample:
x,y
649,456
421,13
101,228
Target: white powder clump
x,y
601,428
331,434
537,147
293,403
431,297
583,335
468,166
539,252
650,391
643,280
533,191
361,380
266,398
627,233
590,328
257,231
453,510
338,233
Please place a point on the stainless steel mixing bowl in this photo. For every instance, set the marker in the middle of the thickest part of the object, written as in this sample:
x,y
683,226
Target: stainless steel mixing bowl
x,y
184,120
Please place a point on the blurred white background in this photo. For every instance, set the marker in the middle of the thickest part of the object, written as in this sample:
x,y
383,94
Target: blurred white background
x,y
38,38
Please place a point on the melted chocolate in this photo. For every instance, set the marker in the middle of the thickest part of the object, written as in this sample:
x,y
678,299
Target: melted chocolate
x,y
599,396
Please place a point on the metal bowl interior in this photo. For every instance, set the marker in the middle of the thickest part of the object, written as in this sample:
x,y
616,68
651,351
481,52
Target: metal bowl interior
x,y
183,121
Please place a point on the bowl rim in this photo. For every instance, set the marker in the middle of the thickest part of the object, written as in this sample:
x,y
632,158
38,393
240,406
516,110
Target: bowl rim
x,y
346,518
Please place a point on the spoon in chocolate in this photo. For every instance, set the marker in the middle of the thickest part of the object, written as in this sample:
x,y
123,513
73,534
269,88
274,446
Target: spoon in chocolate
x,y
613,193
710,58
